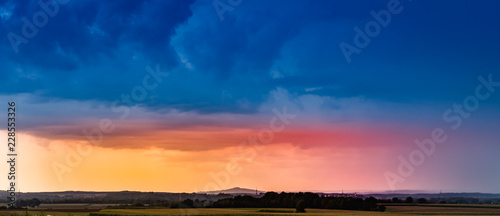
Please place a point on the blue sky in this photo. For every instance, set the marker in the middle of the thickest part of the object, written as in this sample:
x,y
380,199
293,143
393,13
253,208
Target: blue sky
x,y
416,56
231,72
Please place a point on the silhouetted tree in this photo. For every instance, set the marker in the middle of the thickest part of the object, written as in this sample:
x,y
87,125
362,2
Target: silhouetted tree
x,y
295,200
370,204
21,203
300,207
409,200
188,203
174,205
35,202
421,200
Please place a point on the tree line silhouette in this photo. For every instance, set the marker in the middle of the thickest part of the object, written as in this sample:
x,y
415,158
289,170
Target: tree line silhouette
x,y
299,201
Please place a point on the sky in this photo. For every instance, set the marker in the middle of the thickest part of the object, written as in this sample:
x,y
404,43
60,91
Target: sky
x,y
202,95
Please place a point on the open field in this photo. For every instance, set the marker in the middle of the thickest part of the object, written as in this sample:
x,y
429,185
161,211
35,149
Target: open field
x,y
235,211
74,206
392,210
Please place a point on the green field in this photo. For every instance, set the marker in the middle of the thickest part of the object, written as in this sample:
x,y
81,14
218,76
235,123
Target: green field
x,y
392,210
74,206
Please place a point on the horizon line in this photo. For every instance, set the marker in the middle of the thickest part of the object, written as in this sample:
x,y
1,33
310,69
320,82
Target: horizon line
x,y
402,191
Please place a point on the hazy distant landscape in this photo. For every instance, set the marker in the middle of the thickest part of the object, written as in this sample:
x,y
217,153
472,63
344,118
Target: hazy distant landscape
x,y
132,197
241,201
249,107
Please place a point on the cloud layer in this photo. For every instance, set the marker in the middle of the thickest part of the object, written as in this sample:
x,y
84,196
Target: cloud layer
x,y
221,80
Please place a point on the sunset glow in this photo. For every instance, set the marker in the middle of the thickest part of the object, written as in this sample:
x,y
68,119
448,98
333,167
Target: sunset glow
x,y
171,96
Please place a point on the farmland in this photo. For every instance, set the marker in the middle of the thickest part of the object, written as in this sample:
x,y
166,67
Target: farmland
x,y
392,210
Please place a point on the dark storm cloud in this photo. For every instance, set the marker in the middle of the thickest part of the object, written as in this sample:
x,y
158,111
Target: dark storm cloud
x,y
97,50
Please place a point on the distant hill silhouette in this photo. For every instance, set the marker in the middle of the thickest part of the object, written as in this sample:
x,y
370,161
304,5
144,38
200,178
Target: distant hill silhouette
x,y
235,190
133,196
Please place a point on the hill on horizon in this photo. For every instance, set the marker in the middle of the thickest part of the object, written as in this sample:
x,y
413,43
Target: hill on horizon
x,y
235,190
